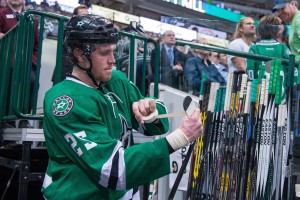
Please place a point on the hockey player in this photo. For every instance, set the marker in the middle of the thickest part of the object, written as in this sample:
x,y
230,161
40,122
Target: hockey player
x,y
89,118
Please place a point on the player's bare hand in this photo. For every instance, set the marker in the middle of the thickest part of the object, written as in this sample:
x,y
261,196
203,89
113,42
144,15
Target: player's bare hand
x,y
143,107
192,127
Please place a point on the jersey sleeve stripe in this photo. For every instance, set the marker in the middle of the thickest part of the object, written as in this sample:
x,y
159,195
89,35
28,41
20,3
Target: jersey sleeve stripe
x,y
47,181
113,173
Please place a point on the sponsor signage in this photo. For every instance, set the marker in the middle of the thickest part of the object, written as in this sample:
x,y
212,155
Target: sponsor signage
x,y
214,40
208,31
159,27
191,4
185,23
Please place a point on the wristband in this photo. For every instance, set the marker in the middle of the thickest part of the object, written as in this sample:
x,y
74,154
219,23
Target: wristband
x,y
177,139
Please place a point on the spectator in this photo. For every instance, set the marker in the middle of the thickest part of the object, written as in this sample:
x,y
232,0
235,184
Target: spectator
x,y
81,10
269,28
288,11
48,27
213,57
56,7
244,36
89,118
189,53
180,48
98,3
195,67
220,61
9,17
172,61
44,4
123,48
282,36
223,65
29,6
3,4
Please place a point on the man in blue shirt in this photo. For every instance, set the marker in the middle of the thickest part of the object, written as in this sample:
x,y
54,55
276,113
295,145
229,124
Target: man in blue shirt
x,y
195,67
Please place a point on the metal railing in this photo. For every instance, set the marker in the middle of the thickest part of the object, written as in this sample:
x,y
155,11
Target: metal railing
x,y
231,52
16,48
132,52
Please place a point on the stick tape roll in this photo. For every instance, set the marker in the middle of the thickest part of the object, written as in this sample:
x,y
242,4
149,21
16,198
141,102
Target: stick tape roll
x,y
150,118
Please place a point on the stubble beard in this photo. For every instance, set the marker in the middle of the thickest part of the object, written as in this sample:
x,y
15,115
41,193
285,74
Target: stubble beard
x,y
250,34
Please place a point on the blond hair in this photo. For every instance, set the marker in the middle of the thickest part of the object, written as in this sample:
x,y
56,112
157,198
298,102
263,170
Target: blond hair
x,y
239,25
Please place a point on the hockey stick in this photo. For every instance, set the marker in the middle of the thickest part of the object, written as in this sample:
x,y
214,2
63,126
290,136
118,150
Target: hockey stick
x,y
188,105
195,164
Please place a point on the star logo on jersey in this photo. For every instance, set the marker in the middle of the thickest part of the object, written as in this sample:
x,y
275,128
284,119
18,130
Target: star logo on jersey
x,y
80,24
62,105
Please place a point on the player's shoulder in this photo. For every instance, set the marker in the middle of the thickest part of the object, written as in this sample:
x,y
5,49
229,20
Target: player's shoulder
x,y
67,87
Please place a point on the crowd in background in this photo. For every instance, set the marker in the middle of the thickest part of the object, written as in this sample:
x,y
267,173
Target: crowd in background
x,y
182,67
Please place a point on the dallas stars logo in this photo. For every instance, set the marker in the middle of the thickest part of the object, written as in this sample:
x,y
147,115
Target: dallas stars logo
x,y
79,24
62,105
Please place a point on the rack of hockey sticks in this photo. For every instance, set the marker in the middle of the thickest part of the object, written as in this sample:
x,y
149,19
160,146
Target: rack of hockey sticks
x,y
244,152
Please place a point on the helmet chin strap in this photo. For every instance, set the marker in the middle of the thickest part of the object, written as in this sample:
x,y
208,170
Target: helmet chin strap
x,y
90,74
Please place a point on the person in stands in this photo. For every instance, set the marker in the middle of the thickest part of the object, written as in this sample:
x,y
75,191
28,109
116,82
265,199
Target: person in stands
x,y
9,17
244,36
197,66
288,11
81,10
172,61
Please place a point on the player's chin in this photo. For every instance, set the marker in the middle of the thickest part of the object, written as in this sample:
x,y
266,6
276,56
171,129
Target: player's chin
x,y
106,77
108,72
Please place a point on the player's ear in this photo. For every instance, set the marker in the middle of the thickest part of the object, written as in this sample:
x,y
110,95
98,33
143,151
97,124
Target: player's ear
x,y
78,54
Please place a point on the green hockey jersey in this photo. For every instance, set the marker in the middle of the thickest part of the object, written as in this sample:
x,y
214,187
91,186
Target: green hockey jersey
x,y
269,48
89,140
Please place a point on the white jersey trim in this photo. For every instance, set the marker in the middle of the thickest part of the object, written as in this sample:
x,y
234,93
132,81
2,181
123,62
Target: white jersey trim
x,y
106,169
77,81
47,181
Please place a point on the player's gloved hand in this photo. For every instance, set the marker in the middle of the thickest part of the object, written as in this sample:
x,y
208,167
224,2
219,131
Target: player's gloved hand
x,y
188,130
143,107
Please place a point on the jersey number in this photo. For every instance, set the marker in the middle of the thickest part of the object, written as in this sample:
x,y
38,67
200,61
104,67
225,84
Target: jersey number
x,y
81,136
